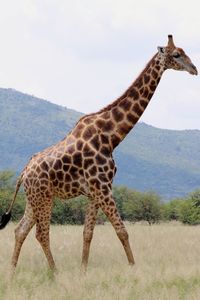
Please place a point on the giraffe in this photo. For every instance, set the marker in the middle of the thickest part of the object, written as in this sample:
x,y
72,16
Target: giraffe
x,y
82,163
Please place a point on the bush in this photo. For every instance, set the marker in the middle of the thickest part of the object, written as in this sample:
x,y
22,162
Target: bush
x,y
190,209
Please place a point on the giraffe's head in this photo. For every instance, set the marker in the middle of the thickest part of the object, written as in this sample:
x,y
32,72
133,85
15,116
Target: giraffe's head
x,y
175,58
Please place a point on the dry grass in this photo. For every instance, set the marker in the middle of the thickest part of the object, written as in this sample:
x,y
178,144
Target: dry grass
x,y
167,265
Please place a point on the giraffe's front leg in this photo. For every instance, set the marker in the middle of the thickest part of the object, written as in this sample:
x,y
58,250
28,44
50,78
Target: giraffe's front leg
x,y
90,220
108,206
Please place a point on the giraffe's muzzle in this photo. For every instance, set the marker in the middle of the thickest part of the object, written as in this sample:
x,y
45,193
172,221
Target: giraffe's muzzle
x,y
193,70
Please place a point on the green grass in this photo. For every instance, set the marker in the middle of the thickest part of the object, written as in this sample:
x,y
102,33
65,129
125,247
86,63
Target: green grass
x,y
167,265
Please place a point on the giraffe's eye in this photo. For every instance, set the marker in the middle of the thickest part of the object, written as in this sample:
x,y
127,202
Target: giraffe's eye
x,y
176,55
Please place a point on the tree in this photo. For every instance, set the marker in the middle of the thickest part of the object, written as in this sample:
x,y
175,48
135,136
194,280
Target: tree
x,y
171,210
150,206
190,209
6,179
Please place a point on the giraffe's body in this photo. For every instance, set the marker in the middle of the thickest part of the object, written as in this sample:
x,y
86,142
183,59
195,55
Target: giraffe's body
x,y
82,163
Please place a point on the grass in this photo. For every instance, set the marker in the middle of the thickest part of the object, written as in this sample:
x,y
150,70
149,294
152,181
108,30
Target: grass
x,y
167,265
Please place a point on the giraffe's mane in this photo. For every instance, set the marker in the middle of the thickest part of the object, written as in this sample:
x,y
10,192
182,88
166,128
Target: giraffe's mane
x,y
109,106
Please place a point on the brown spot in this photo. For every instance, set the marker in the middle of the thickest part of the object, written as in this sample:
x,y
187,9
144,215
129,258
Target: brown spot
x,y
74,191
152,87
105,151
105,191
100,123
87,175
100,159
132,118
106,115
95,142
67,177
44,166
104,139
93,171
106,200
55,182
157,67
87,151
105,125
66,168
154,74
134,93
148,71
75,184
67,187
89,132
80,172
44,181
71,149
60,185
95,182
117,115
60,175
145,92
143,103
110,175
108,126
43,188
158,80
88,119
103,177
125,104
38,170
124,129
57,164
73,172
141,90
115,140
66,159
78,130
105,168
88,162
139,82
111,164
150,95
77,159
79,145
137,109
146,78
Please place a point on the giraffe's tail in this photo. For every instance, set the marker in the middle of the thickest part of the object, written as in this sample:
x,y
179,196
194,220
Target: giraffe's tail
x,y
7,215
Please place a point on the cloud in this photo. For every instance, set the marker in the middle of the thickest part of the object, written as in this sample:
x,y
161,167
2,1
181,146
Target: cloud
x,y
84,54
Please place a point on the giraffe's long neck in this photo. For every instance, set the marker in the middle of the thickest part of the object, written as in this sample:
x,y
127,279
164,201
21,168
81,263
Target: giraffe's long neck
x,y
126,111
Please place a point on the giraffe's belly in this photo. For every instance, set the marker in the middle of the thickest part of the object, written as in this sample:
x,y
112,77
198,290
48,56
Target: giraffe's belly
x,y
70,189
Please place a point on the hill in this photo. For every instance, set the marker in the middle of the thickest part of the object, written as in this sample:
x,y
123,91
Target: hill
x,y
165,161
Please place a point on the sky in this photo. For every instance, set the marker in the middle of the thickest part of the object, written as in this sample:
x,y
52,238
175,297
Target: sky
x,y
85,54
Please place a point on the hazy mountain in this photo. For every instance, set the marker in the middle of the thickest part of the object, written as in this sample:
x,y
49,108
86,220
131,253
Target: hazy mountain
x,y
165,161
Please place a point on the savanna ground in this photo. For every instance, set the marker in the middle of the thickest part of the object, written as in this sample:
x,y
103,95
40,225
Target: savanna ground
x,y
167,265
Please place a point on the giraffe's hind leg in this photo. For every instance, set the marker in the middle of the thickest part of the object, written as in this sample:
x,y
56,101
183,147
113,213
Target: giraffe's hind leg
x,y
43,216
21,232
90,220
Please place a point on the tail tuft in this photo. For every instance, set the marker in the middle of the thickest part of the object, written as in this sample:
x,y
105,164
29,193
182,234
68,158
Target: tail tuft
x,y
5,219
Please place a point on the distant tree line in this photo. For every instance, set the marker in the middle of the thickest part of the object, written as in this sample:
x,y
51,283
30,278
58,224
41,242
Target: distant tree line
x,y
133,206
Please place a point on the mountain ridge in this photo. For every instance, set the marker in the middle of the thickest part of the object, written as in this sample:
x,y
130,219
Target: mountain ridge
x,y
149,158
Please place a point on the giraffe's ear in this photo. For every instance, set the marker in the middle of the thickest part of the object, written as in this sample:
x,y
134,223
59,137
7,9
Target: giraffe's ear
x,y
161,50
